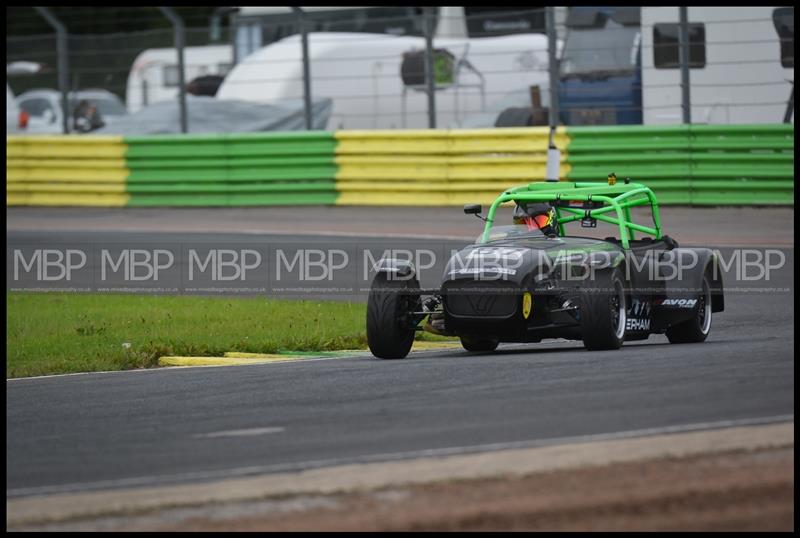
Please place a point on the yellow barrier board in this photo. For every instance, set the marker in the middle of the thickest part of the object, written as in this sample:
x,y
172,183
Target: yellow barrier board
x,y
447,167
88,188
36,173
66,171
387,167
111,163
429,198
392,160
393,146
66,199
426,142
68,147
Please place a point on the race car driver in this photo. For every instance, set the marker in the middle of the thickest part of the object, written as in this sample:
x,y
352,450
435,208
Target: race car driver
x,y
537,216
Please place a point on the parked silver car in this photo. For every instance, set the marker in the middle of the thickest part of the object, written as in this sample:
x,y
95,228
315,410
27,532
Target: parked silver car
x,y
45,115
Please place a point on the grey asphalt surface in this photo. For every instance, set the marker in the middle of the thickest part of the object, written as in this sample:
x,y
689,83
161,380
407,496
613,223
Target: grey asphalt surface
x,y
139,428
82,432
719,226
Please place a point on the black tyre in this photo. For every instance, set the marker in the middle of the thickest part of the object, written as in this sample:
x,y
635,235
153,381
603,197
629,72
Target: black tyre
x,y
696,329
390,332
479,344
604,312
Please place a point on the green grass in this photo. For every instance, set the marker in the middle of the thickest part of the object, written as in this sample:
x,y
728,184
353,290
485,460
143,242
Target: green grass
x,y
64,333
52,333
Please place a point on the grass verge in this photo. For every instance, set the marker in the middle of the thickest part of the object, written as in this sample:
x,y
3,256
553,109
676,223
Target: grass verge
x,y
53,333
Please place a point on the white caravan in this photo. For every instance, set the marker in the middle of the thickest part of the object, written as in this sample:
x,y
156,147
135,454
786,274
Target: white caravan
x,y
154,75
743,75
256,27
363,74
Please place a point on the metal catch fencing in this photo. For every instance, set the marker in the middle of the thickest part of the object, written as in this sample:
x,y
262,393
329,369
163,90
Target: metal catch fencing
x,y
453,68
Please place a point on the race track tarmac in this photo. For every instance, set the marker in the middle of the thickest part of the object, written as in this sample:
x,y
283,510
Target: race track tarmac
x,y
94,431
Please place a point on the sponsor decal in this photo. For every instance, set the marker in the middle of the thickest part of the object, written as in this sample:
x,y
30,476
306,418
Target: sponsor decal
x,y
637,324
639,309
680,303
479,270
496,252
638,316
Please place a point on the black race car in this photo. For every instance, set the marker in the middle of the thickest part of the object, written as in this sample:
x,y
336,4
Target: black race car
x,y
529,280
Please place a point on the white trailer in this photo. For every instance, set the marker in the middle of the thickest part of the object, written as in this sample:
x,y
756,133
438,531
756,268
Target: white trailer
x,y
741,74
361,73
154,75
256,27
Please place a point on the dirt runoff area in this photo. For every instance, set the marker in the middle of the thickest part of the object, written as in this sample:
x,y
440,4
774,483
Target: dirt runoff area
x,y
730,491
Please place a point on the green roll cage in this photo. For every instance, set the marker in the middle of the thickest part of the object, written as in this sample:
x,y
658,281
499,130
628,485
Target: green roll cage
x,y
617,201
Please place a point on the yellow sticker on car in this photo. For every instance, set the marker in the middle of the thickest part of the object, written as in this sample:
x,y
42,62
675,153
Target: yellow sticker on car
x,y
527,304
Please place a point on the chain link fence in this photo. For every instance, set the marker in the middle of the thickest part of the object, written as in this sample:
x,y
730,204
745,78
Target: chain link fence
x,y
489,66
99,61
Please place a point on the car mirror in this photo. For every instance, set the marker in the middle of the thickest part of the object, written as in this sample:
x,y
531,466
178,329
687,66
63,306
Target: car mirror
x,y
472,209
49,116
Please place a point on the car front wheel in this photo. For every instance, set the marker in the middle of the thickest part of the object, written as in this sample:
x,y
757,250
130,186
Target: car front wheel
x,y
390,331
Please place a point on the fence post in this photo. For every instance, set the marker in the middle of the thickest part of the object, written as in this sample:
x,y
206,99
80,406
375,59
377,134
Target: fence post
x,y
63,61
430,82
215,22
683,31
552,64
180,41
306,66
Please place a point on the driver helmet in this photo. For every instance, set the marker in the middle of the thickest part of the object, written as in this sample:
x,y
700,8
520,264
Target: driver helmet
x,y
536,216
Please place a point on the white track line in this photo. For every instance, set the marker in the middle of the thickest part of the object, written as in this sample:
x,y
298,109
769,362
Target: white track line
x,y
435,452
240,433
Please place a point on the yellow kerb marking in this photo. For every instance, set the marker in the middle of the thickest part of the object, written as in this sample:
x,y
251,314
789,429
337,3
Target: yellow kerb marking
x,y
223,361
243,355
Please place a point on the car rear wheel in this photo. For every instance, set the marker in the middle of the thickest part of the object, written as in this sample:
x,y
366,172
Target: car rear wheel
x,y
603,312
390,331
474,344
696,329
